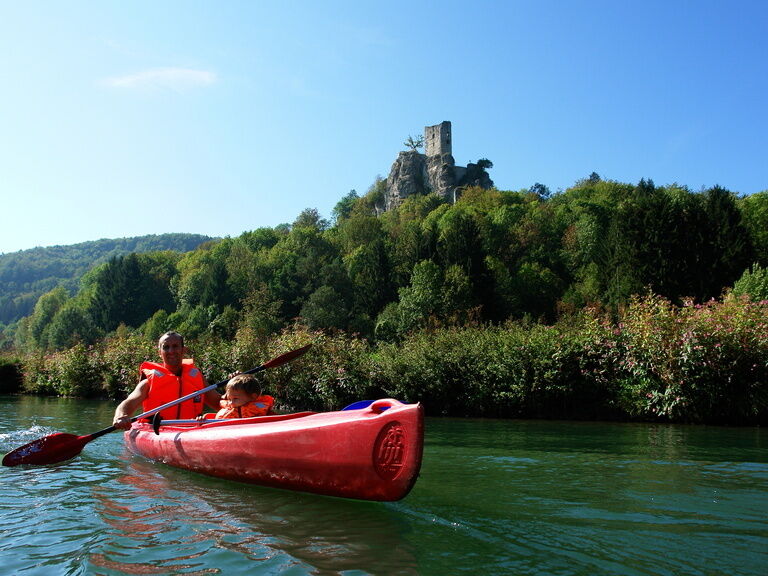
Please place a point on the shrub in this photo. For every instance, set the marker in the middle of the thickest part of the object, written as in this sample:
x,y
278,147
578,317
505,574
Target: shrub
x,y
122,355
335,372
753,284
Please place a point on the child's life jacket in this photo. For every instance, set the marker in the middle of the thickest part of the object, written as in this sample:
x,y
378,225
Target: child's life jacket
x,y
262,406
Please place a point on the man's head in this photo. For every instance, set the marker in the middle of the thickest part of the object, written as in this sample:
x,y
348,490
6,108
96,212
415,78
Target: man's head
x,y
171,349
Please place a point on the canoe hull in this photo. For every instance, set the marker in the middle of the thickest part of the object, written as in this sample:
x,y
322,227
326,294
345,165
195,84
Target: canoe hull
x,y
370,454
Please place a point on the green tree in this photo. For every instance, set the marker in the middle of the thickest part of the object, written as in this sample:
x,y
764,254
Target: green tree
x,y
754,214
753,284
541,191
727,249
325,309
368,271
414,143
344,207
47,307
71,325
128,289
261,314
310,218
423,298
203,278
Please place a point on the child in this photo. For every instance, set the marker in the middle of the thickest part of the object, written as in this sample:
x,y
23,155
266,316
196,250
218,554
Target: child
x,y
243,399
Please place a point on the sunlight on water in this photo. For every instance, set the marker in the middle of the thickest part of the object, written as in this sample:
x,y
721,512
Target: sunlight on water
x,y
493,498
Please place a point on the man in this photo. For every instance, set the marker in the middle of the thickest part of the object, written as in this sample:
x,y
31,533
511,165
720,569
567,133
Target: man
x,y
163,383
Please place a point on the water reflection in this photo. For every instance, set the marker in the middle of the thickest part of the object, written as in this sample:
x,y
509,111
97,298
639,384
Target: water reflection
x,y
166,519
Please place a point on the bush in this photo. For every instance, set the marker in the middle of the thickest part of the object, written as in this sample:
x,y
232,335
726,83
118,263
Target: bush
x,y
696,363
753,284
334,373
121,357
704,363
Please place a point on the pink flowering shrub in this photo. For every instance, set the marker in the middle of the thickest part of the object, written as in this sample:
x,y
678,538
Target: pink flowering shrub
x,y
652,361
695,363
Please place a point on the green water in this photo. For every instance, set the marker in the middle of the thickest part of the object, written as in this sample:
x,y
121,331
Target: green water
x,y
494,497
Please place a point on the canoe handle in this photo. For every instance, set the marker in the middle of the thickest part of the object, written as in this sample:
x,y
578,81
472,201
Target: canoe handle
x,y
380,405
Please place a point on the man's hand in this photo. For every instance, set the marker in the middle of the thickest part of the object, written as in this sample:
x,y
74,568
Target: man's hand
x,y
122,422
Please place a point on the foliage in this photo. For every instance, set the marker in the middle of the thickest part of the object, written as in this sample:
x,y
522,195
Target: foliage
x,y
754,213
654,361
121,356
696,363
27,274
753,284
583,292
414,143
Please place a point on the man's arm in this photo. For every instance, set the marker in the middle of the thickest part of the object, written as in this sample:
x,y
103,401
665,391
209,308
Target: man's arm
x,y
212,398
128,407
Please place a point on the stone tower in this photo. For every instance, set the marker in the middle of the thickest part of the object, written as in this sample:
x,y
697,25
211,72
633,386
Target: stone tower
x,y
434,172
437,139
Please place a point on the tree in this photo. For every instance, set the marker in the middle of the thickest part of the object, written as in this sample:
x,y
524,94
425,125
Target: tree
x,y
423,298
344,207
129,289
310,218
45,310
753,283
261,314
727,249
754,213
325,309
541,191
414,143
203,278
368,271
71,325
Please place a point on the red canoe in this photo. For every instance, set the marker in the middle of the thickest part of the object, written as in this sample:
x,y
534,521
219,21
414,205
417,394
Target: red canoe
x,y
372,453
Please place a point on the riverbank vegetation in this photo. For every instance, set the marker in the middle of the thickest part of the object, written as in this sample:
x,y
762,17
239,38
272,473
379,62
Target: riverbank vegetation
x,y
608,300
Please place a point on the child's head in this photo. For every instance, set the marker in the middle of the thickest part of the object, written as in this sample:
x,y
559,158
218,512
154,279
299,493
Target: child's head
x,y
242,389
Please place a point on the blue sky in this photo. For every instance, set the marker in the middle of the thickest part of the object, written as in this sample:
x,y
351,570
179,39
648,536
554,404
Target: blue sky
x,y
122,119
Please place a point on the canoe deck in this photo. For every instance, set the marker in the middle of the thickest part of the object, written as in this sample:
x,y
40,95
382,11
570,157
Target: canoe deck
x,y
372,453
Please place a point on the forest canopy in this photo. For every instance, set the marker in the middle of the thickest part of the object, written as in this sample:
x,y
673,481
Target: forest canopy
x,y
489,257
28,274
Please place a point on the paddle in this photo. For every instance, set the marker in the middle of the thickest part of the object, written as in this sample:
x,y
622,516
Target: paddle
x,y
60,446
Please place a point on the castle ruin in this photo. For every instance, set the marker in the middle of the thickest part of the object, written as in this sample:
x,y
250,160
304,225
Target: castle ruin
x,y
435,171
437,139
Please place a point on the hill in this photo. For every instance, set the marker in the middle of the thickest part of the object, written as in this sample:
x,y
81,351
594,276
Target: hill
x,y
27,274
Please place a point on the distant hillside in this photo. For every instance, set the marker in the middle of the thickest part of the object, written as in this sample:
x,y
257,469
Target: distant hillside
x,y
27,274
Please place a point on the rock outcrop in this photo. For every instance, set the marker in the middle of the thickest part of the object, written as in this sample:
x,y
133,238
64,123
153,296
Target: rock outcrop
x,y
436,172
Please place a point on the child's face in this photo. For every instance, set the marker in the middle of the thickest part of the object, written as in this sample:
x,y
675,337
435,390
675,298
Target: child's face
x,y
240,397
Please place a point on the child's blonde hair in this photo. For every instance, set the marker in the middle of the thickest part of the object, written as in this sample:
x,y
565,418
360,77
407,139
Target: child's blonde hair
x,y
245,382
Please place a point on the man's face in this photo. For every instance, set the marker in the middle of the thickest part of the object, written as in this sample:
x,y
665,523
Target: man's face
x,y
171,351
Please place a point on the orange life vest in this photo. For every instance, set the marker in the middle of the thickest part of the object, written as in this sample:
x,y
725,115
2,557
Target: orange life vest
x,y
165,386
259,407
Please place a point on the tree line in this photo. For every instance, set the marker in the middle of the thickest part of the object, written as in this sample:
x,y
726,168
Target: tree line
x,y
490,257
28,274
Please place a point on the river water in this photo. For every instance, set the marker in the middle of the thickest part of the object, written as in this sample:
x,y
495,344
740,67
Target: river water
x,y
494,497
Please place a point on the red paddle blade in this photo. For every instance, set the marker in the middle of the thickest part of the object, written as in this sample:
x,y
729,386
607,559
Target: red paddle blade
x,y
48,450
287,357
